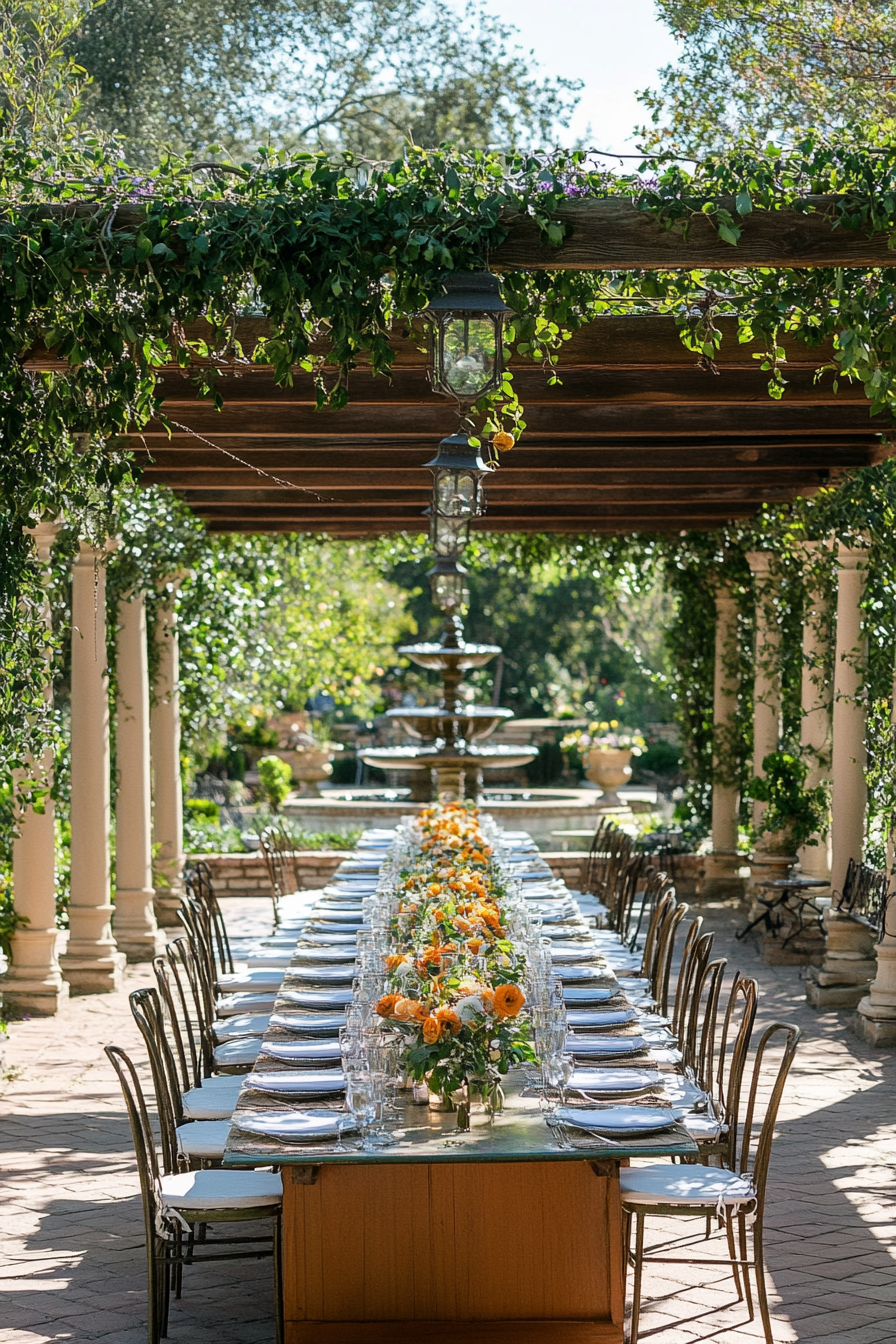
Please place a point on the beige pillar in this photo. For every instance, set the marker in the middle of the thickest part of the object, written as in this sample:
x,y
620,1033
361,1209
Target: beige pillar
x,y
815,725
767,665
167,815
849,791
92,962
136,931
34,984
721,869
877,1012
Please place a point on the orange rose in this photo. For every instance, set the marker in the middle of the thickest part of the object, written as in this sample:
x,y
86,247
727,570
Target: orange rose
x,y
509,999
432,1030
409,1010
449,1020
386,1004
393,962
474,946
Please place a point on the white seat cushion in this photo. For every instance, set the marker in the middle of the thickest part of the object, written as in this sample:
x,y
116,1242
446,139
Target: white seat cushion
x,y
225,1080
211,1103
244,1050
205,1138
247,1024
219,1189
661,1183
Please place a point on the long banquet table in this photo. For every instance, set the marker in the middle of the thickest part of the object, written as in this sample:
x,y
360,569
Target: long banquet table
x,y
497,1233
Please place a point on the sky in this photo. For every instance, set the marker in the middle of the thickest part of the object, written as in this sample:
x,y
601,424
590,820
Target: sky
x,y
615,46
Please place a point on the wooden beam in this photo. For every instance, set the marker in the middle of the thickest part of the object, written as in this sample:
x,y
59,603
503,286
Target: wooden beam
x,y
590,418
498,501
506,480
613,235
610,234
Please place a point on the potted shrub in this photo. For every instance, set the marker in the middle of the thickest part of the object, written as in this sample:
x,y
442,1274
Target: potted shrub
x,y
794,816
606,750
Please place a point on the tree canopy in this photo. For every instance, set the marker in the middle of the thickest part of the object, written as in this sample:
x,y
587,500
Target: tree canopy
x,y
363,75
771,69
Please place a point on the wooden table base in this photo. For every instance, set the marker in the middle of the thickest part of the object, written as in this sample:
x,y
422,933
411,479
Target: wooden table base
x,y
392,1253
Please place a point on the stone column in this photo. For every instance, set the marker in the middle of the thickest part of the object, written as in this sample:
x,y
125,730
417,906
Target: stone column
x,y
92,962
849,791
815,726
721,870
167,815
767,673
136,931
34,984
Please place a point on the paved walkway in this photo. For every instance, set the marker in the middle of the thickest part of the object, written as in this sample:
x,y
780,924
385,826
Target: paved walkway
x,y
71,1253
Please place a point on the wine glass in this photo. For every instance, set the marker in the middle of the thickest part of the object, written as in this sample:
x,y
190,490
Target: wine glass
x,y
361,1097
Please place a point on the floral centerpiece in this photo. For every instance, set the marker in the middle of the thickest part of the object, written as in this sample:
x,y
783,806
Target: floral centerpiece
x,y
608,736
454,975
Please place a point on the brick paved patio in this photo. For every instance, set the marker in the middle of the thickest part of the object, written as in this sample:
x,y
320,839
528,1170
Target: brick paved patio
x,y
71,1254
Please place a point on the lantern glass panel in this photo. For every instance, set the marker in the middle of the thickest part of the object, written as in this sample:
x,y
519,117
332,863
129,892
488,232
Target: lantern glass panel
x,y
448,590
469,348
448,535
456,493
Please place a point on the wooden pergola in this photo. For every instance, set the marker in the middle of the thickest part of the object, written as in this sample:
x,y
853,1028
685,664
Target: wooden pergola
x,y
637,437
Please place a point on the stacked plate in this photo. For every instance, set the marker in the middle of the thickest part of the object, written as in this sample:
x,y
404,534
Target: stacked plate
x,y
303,1052
575,997
604,1047
308,1024
296,1126
297,1082
617,1122
616,1082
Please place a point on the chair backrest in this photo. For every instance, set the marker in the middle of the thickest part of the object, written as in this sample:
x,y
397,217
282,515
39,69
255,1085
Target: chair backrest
x,y
192,973
149,1014
177,1019
198,882
665,953
732,1049
694,959
625,895
662,908
656,883
610,850
141,1133
698,1051
194,918
278,852
756,1137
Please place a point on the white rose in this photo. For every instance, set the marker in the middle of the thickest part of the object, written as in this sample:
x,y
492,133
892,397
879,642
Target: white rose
x,y
404,969
468,1008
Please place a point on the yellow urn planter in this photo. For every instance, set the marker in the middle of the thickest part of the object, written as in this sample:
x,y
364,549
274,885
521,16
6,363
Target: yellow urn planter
x,y
608,768
309,767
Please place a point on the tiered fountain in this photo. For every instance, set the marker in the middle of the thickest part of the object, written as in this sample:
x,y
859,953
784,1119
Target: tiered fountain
x,y
450,736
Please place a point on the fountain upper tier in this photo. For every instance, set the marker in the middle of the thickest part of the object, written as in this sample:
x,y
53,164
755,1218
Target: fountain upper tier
x,y
470,723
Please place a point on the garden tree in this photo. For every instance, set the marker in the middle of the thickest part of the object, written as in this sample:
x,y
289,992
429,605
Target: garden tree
x,y
40,80
310,74
771,69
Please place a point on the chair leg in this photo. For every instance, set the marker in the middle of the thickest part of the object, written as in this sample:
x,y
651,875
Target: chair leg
x,y
732,1251
155,1279
636,1285
742,1225
759,1266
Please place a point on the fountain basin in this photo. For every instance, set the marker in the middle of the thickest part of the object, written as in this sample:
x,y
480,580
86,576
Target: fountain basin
x,y
448,756
442,658
470,724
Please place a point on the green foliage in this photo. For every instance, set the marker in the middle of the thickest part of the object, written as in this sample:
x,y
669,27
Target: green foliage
x,y
40,82
770,70
204,809
10,920
275,780
790,807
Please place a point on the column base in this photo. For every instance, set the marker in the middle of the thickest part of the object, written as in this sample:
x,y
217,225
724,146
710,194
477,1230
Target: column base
x,y
25,992
134,924
166,904
88,974
833,996
876,1024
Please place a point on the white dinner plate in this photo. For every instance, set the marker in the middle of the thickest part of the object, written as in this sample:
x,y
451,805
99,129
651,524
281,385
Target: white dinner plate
x,y
566,929
617,1121
564,954
321,975
309,1024
298,1082
325,956
297,1126
357,866
344,938
335,916
600,1017
575,975
615,1082
319,999
332,926
602,1047
577,998
302,1051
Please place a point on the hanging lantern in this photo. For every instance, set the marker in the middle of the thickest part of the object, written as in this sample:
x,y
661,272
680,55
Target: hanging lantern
x,y
468,335
457,494
447,580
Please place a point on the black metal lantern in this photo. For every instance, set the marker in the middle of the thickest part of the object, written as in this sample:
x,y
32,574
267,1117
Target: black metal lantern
x,y
457,494
447,580
468,329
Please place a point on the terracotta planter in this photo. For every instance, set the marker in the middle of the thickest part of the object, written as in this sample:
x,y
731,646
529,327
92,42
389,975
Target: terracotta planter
x,y
608,768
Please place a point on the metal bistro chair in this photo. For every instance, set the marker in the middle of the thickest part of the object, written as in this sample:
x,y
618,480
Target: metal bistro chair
x,y
203,1097
178,1203
198,882
278,852
663,1190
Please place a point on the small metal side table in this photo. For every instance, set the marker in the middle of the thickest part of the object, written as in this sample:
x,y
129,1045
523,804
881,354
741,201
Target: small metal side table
x,y
803,890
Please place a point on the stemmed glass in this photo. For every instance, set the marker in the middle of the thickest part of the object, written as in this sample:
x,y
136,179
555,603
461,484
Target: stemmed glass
x,y
362,1098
